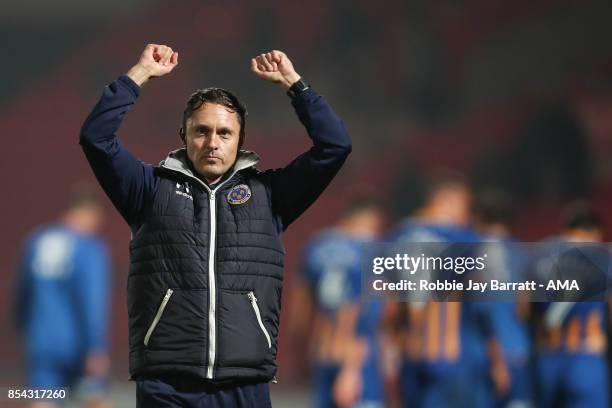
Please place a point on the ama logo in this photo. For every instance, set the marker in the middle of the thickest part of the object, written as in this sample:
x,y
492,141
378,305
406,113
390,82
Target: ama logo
x,y
562,285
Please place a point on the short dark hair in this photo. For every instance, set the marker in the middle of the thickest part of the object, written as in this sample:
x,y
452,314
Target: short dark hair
x,y
581,215
83,195
363,202
217,96
442,179
493,207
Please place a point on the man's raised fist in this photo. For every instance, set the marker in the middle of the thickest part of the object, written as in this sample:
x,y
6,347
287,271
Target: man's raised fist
x,y
276,67
155,61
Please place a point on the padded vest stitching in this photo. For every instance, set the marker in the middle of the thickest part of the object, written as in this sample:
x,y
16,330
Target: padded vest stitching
x,y
173,258
177,272
251,246
280,265
279,278
246,232
190,244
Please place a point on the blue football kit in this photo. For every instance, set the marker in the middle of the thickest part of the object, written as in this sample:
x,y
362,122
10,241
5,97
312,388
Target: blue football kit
x,y
444,343
331,266
62,305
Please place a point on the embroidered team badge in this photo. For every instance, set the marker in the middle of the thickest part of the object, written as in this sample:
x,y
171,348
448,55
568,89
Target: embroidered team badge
x,y
240,194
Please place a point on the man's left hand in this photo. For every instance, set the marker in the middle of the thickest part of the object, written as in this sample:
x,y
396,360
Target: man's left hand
x,y
276,67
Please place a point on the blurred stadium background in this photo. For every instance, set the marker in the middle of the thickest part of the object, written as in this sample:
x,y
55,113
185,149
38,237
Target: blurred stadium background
x,y
516,94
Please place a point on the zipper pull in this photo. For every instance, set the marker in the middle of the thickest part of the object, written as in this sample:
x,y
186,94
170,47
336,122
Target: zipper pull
x,y
274,380
168,294
212,195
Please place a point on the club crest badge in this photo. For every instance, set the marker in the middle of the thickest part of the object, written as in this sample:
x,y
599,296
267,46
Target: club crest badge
x,y
239,194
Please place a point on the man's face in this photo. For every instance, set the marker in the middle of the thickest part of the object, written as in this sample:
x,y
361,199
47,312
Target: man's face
x,y
452,205
366,223
212,136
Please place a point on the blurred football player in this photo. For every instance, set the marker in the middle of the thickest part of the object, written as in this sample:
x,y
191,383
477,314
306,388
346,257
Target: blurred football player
x,y
345,370
506,263
571,364
63,301
444,345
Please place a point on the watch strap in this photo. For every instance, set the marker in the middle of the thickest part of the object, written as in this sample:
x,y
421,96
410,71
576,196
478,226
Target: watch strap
x,y
297,88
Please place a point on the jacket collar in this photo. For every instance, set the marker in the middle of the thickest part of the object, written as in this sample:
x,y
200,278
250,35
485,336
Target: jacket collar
x,y
178,161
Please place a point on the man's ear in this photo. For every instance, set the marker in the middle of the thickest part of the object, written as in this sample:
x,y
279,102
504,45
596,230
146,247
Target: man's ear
x,y
182,135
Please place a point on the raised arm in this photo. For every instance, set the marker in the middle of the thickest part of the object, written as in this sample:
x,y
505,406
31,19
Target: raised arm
x,y
126,180
295,187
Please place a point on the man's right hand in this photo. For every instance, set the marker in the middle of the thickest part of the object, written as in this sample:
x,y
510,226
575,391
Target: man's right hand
x,y
155,61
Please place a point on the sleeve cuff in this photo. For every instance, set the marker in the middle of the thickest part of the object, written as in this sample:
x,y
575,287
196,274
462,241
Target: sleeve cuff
x,y
130,84
304,97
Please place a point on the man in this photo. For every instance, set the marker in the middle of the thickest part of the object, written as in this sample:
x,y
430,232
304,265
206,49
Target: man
x,y
205,282
570,363
63,301
506,263
444,345
346,373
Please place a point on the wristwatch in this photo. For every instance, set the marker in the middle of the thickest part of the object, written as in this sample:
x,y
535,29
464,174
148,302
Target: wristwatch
x,y
297,88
